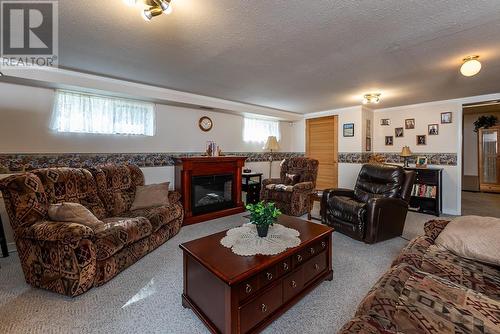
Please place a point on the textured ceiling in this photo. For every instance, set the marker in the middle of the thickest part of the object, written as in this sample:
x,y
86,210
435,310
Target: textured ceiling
x,y
300,56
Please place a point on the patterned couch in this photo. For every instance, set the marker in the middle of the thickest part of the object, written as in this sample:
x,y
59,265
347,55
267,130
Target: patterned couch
x,y
431,290
292,200
71,258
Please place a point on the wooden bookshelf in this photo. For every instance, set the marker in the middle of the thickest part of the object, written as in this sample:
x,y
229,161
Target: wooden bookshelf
x,y
427,193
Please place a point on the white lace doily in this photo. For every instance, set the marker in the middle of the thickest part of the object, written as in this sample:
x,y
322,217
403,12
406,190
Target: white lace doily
x,y
245,241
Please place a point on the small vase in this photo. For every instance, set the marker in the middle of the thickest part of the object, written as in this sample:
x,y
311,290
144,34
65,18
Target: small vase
x,y
262,230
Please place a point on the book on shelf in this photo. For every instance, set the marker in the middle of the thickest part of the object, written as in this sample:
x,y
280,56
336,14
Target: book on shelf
x,y
423,190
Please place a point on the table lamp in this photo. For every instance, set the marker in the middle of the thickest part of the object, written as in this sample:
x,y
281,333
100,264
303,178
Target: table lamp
x,y
271,145
406,153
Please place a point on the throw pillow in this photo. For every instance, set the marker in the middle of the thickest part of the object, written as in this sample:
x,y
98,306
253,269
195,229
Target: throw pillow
x,y
73,213
150,196
473,237
292,179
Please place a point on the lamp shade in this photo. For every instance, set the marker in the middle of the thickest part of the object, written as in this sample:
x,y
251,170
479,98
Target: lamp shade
x,y
406,152
272,144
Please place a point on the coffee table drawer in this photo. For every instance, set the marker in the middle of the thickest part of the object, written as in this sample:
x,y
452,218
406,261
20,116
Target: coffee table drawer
x,y
268,276
248,288
293,284
261,307
315,266
284,267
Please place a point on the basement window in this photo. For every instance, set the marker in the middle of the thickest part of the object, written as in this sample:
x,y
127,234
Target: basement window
x,y
258,130
87,113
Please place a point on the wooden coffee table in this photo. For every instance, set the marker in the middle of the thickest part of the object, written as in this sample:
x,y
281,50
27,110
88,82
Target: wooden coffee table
x,y
237,294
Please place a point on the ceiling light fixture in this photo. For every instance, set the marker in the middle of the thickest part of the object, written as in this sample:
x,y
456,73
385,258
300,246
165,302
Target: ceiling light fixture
x,y
371,98
471,66
151,8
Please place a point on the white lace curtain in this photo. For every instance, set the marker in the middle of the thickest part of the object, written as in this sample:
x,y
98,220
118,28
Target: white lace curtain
x,y
258,130
87,113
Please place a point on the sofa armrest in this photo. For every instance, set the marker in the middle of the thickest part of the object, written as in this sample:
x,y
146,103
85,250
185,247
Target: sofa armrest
x,y
303,187
174,196
434,227
385,218
266,182
64,232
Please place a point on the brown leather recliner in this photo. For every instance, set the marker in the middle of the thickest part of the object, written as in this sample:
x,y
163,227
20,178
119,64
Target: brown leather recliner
x,y
377,207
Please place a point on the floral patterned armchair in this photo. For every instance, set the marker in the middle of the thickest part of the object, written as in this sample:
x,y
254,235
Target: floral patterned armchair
x,y
291,191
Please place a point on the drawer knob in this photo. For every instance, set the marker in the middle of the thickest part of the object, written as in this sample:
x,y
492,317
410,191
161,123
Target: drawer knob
x,y
312,251
316,266
299,258
248,288
285,266
269,276
263,308
323,244
293,284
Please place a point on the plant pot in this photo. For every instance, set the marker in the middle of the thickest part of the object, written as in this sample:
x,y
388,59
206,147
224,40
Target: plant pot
x,y
262,230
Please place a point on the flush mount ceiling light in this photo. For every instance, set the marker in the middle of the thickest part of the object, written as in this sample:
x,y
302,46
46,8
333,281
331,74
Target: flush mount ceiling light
x,y
471,66
151,8
371,98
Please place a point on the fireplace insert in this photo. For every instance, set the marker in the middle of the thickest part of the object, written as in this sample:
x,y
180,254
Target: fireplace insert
x,y
211,193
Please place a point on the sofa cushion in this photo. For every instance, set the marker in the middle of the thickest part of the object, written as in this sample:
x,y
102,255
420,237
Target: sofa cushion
x,y
116,233
116,185
292,179
150,196
348,210
72,212
158,216
429,304
473,237
74,185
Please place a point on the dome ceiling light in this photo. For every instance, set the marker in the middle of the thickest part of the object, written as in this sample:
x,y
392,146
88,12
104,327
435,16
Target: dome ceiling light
x,y
471,66
373,98
151,8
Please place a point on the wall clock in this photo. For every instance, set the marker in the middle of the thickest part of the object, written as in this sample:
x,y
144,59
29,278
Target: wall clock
x,y
206,124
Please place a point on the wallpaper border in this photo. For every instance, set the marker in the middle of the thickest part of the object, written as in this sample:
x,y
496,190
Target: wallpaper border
x,y
16,162
443,159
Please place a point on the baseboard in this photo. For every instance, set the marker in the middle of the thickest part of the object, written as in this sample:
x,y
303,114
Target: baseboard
x,y
452,212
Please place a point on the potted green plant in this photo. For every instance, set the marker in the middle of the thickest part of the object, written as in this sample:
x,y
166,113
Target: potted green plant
x,y
263,215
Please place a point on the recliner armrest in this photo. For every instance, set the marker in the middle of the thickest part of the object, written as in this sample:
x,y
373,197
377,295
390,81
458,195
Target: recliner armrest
x,y
386,203
338,192
386,217
266,182
303,187
65,232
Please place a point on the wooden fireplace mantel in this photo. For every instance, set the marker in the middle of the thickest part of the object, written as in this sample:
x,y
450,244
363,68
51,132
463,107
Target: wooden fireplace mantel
x,y
186,168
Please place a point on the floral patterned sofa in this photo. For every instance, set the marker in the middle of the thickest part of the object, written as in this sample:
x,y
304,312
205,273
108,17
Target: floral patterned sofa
x,y
431,290
70,258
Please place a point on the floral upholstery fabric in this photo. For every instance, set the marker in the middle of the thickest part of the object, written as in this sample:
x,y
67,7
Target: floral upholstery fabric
x,y
158,216
118,233
295,202
430,290
74,185
70,258
116,186
25,199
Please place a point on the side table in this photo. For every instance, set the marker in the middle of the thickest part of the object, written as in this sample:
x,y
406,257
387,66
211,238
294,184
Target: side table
x,y
315,196
252,187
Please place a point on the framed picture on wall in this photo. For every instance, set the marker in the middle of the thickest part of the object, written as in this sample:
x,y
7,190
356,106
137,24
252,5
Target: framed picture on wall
x,y
385,122
421,140
446,117
421,162
389,140
433,129
410,123
399,132
349,130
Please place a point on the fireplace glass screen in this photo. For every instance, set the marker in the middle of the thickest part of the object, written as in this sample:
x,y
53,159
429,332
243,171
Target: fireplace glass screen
x,y
211,193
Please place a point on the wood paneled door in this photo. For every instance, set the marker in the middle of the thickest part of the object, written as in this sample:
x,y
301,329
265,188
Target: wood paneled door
x,y
322,144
